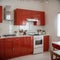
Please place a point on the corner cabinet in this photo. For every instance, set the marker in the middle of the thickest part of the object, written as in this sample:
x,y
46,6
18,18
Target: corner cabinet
x,y
21,15
46,43
0,14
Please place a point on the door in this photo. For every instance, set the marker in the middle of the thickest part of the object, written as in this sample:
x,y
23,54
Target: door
x,y
8,45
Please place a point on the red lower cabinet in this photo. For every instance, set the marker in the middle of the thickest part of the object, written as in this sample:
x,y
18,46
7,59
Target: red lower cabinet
x,y
46,43
29,45
8,45
26,45
2,57
16,52
14,47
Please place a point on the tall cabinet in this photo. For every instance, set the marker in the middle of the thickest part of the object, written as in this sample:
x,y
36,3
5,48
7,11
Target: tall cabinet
x,y
46,43
0,14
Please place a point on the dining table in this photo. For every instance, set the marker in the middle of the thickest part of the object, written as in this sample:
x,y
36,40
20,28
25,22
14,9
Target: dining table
x,y
56,45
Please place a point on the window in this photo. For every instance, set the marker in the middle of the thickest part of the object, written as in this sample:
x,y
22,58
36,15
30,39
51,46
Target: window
x,y
58,24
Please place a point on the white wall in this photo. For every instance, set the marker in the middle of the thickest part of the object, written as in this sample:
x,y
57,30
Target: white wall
x,y
24,4
51,9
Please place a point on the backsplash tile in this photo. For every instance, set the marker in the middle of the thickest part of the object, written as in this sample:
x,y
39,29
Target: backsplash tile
x,y
7,27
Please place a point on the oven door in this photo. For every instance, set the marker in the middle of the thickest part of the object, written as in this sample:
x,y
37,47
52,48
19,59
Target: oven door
x,y
38,42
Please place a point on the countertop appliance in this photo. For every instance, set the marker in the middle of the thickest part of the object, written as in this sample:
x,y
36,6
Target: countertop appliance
x,y
38,44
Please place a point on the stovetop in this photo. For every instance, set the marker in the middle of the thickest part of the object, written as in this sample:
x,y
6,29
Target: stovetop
x,y
7,35
34,34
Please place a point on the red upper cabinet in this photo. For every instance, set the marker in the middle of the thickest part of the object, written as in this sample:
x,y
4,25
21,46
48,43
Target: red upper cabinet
x,y
42,18
39,15
17,17
21,16
0,14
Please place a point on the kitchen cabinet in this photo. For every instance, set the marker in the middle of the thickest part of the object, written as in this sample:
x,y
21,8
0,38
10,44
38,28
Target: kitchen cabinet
x,y
42,18
25,15
2,49
8,47
46,43
13,47
33,14
22,46
28,44
0,14
21,16
17,48
18,17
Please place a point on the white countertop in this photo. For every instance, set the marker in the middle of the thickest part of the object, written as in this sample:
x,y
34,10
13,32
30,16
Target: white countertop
x,y
57,43
20,36
15,36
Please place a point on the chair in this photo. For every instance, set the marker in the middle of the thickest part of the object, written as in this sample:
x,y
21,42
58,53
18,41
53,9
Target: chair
x,y
55,55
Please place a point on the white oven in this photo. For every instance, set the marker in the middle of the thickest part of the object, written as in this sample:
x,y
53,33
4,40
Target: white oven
x,y
38,44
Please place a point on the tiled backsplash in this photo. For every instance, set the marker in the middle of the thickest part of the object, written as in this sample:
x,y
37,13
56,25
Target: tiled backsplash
x,y
7,27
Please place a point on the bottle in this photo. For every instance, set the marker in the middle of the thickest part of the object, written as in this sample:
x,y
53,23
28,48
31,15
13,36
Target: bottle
x,y
43,32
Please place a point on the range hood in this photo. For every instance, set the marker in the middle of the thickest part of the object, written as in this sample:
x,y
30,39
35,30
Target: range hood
x,y
32,20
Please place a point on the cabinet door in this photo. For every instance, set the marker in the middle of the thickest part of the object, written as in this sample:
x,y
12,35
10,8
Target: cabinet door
x,y
25,16
29,45
42,18
23,45
16,47
46,43
18,17
36,16
0,14
2,49
8,48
